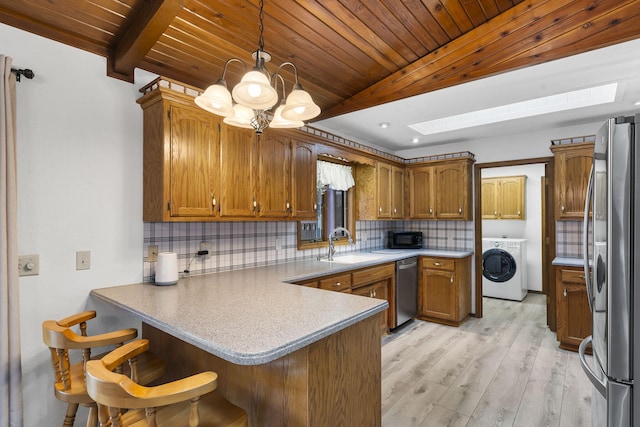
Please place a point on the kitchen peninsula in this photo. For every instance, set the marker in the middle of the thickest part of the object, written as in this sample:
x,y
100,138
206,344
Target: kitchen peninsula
x,y
287,354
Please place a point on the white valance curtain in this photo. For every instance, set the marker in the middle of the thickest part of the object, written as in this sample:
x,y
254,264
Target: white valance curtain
x,y
334,176
10,364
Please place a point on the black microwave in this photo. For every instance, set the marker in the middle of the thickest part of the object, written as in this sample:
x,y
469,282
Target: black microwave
x,y
404,239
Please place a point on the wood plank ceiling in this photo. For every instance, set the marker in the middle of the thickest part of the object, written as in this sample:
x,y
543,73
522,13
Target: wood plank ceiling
x,y
350,54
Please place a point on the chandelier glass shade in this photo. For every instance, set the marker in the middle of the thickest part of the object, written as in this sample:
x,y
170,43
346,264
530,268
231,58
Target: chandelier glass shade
x,y
256,94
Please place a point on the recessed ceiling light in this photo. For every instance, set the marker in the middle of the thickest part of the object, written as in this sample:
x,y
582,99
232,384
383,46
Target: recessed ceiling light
x,y
384,125
548,104
415,140
637,103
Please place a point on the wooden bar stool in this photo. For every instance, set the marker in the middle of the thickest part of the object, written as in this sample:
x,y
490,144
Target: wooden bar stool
x,y
188,401
69,379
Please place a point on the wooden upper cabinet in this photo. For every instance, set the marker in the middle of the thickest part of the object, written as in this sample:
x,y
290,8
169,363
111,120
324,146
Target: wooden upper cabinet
x,y
238,172
181,144
489,191
303,180
572,168
383,180
453,193
441,191
421,193
379,191
274,171
397,193
287,177
503,197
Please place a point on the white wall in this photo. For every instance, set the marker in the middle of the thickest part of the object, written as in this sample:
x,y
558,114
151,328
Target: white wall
x,y
504,147
79,188
531,227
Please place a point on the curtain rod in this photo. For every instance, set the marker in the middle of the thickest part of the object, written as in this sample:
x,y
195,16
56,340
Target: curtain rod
x,y
23,72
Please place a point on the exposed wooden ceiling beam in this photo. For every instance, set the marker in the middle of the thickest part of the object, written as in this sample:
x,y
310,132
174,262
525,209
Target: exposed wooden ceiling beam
x,y
151,21
530,33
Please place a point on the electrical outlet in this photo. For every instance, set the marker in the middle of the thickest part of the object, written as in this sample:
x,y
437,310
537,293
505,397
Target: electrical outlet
x,y
28,265
278,243
152,253
364,235
83,260
205,246
451,235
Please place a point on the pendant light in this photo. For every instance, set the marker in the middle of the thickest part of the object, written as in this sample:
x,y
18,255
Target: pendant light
x,y
256,94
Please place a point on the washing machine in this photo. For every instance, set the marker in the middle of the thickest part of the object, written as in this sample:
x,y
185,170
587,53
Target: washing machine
x,y
504,268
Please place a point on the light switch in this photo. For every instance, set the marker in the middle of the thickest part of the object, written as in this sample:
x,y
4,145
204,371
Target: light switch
x,y
28,265
83,260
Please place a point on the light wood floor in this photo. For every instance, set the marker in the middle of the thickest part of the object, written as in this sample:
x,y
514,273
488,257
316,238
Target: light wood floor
x,y
502,370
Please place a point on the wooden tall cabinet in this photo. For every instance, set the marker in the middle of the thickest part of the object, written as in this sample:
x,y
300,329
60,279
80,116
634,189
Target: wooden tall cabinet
x,y
441,191
444,289
181,148
573,312
572,167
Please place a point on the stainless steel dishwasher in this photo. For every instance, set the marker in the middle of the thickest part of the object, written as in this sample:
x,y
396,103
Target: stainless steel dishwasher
x,y
406,290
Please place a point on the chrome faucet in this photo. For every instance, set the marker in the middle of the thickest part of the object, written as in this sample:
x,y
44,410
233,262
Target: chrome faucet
x,y
332,249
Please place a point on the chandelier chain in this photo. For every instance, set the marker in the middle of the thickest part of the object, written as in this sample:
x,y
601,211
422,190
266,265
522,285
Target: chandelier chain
x,y
261,17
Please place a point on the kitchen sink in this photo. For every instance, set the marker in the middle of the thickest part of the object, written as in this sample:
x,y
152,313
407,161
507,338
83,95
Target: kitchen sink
x,y
352,259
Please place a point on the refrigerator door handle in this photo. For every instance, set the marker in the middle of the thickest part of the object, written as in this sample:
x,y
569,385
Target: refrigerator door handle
x,y
600,385
585,236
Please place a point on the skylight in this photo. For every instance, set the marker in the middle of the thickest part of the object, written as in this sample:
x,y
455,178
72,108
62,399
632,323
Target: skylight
x,y
534,107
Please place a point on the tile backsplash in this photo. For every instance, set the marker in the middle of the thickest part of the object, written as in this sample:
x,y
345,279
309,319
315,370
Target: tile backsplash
x,y
569,239
236,245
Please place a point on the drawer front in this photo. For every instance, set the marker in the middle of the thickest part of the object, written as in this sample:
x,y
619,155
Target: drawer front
x,y
336,283
572,276
373,274
439,263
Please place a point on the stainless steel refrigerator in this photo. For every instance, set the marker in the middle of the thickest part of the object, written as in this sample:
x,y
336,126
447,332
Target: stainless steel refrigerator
x,y
612,281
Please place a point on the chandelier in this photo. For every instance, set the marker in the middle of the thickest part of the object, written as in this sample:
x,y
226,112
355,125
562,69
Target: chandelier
x,y
257,93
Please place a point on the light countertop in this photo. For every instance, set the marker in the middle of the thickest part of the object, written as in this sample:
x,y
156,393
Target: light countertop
x,y
252,316
568,262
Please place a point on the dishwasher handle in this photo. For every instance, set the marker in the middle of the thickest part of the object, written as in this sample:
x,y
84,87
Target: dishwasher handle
x,y
407,266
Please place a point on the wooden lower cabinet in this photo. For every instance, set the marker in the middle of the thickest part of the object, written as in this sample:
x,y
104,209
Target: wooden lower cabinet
x,y
373,282
444,290
572,304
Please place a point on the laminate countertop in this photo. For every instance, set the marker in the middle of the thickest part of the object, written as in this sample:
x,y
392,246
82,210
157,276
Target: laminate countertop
x,y
252,316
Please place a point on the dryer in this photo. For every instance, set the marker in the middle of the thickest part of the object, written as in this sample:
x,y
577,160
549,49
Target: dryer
x,y
504,268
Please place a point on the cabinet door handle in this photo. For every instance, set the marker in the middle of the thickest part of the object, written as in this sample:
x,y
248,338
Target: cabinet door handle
x,y
459,210
437,264
452,276
288,206
380,208
562,208
430,210
518,213
315,206
213,200
395,210
337,284
374,293
565,292
495,213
